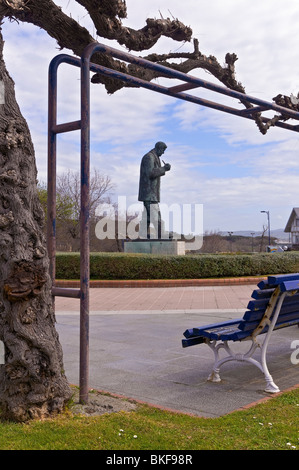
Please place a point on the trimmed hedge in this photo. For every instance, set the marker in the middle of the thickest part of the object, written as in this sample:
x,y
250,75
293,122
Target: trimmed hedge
x,y
119,266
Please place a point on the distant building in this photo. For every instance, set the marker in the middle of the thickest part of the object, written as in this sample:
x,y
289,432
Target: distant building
x,y
292,226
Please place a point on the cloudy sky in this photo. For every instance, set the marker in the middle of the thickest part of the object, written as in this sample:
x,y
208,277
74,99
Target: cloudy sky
x,y
218,160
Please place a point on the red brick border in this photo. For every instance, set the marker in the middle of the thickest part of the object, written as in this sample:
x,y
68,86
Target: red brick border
x,y
268,397
163,282
195,415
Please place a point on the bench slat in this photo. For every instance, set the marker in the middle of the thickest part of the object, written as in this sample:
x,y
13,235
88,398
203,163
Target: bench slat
x,y
215,331
262,303
192,341
233,333
273,281
257,304
262,294
289,286
245,326
276,280
249,315
283,324
264,285
255,315
239,335
188,333
197,331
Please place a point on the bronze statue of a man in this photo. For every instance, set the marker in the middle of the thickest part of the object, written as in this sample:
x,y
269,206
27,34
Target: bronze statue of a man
x,y
151,171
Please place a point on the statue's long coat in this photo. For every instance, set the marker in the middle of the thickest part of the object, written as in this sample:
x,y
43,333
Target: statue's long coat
x,y
150,173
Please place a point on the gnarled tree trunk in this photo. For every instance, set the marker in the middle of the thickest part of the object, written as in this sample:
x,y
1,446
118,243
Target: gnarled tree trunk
x,y
32,381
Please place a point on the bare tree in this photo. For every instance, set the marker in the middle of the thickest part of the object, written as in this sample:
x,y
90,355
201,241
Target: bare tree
x,y
69,189
64,204
262,244
32,381
213,242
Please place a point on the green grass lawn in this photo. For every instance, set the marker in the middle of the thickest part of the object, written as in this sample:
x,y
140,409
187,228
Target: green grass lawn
x,y
270,425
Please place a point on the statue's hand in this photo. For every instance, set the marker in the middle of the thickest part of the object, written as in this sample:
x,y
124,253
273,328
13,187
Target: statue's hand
x,y
167,166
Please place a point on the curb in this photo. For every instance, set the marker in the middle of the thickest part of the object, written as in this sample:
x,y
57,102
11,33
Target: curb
x,y
267,398
162,282
195,415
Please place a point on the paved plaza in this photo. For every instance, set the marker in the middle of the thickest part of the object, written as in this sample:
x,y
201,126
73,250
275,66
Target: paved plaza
x,y
135,347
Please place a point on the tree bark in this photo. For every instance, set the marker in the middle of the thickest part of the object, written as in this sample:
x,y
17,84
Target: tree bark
x,y
32,381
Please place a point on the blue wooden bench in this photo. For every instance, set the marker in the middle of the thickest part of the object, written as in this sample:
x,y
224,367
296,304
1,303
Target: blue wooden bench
x,y
273,305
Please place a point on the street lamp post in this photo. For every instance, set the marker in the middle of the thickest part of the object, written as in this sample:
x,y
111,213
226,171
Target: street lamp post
x,y
252,233
231,241
268,214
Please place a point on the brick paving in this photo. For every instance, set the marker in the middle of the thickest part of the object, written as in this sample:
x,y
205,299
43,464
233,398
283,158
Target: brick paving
x,y
162,298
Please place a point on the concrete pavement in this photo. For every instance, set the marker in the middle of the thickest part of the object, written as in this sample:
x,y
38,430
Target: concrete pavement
x,y
135,347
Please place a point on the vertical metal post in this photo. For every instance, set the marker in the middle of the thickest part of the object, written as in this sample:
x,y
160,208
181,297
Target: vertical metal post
x,y
269,231
53,129
51,197
84,229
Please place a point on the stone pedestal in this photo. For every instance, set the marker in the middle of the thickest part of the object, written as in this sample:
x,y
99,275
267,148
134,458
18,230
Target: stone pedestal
x,y
155,246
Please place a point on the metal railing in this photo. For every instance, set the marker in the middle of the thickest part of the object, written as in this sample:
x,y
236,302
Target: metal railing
x,y
83,124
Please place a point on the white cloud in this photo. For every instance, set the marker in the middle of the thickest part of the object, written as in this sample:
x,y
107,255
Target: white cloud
x,y
233,129
257,170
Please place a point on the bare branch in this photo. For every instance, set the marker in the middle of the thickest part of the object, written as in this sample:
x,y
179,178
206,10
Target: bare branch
x,y
290,102
18,5
109,8
48,16
107,17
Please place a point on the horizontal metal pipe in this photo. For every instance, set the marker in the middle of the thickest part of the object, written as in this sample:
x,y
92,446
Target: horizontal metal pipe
x,y
183,87
171,73
66,292
255,109
192,82
59,59
182,96
66,127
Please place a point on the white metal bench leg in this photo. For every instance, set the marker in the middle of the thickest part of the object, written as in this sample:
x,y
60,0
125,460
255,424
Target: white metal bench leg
x,y
214,376
232,356
271,387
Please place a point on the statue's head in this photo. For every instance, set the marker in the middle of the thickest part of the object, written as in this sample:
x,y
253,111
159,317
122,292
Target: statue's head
x,y
160,148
